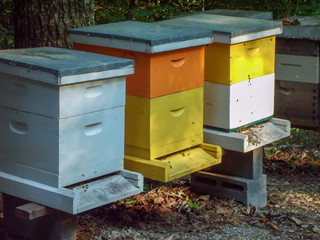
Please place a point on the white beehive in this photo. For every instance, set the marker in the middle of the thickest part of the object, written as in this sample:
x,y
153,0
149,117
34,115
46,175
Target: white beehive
x,y
62,114
229,107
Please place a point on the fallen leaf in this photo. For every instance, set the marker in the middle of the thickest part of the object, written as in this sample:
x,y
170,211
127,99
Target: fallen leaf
x,y
249,210
235,223
158,200
204,197
273,226
303,155
223,211
170,238
296,220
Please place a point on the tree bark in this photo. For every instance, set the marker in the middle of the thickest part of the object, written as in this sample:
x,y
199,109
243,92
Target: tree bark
x,y
39,23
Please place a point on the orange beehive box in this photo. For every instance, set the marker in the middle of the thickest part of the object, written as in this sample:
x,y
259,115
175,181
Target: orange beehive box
x,y
159,74
172,63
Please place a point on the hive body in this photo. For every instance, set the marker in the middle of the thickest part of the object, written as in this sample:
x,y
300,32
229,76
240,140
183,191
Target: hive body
x,y
57,131
298,73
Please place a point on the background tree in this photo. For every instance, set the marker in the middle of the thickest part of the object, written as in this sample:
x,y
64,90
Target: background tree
x,y
44,22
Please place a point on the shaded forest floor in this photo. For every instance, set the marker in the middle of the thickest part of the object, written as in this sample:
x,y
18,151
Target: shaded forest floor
x,y
165,212
172,211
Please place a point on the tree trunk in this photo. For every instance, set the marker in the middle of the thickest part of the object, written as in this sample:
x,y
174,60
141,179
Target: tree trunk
x,y
40,23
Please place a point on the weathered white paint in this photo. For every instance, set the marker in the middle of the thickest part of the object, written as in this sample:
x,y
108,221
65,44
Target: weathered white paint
x,y
260,135
297,68
61,102
232,106
51,78
60,152
78,199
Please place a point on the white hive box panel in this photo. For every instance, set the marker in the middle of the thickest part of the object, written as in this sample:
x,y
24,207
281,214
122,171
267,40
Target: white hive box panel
x,y
61,101
229,107
61,83
295,68
60,152
62,114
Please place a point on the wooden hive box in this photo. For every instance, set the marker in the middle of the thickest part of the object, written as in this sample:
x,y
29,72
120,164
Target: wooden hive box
x,y
164,125
165,94
167,59
298,72
164,112
62,114
239,69
242,48
229,107
298,51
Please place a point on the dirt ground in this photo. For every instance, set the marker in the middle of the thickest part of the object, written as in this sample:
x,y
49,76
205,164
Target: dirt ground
x,y
172,211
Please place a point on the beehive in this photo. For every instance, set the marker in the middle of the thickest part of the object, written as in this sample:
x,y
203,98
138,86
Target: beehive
x,y
167,59
229,64
164,96
242,52
243,103
298,72
161,126
62,114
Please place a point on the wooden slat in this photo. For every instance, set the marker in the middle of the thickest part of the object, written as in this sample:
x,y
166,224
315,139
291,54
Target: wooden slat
x,y
300,47
298,102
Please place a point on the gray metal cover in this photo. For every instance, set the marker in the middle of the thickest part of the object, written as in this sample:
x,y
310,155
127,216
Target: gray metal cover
x,y
58,62
309,28
242,13
228,29
144,37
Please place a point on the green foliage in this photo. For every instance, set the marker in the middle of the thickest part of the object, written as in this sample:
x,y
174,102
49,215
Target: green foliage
x,y
6,38
6,24
131,202
194,205
154,10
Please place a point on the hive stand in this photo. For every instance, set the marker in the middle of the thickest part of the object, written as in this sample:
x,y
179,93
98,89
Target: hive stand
x,y
31,221
297,95
164,102
240,176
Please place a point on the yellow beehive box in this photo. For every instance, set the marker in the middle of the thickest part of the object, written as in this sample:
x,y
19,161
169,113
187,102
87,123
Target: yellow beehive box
x,y
229,64
164,125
